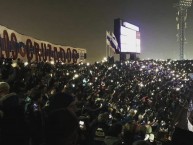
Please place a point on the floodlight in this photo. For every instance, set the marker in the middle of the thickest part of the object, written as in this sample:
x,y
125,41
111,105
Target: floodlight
x,y
182,7
185,3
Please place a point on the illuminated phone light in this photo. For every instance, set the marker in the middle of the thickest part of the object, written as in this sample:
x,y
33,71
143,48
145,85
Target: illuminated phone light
x,y
109,68
177,89
52,62
26,63
76,76
90,84
13,64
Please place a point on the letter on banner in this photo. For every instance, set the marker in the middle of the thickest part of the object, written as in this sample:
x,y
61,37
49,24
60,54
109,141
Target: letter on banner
x,y
29,51
6,43
44,52
68,55
14,46
37,51
49,52
62,55
22,49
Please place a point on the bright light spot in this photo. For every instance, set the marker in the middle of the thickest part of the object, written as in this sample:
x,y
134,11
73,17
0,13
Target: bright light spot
x,y
26,63
52,62
105,59
177,89
109,68
76,75
90,84
14,64
143,66
141,85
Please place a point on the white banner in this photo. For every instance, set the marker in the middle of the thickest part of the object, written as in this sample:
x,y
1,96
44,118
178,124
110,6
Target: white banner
x,y
15,45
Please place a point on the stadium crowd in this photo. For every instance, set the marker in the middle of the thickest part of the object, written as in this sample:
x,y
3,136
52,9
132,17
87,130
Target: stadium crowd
x,y
105,103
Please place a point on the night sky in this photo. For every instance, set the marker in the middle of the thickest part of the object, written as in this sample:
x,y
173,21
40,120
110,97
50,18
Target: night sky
x,y
83,24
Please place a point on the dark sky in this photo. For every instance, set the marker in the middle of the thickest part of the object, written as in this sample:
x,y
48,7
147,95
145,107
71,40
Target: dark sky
x,y
83,23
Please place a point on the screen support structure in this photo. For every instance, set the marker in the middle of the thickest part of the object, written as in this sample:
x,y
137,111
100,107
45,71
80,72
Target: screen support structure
x,y
182,7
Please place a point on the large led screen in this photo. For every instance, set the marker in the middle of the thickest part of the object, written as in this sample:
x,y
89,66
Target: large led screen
x,y
128,36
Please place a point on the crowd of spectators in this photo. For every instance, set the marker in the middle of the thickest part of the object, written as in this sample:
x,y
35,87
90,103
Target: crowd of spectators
x,y
105,103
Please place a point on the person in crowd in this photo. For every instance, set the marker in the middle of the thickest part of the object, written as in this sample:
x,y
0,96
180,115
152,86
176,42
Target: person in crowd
x,y
149,136
132,132
12,121
34,117
113,136
183,132
141,142
98,129
61,128
63,100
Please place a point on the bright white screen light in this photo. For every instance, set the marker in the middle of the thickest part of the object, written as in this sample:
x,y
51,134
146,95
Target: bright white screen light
x,y
129,39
